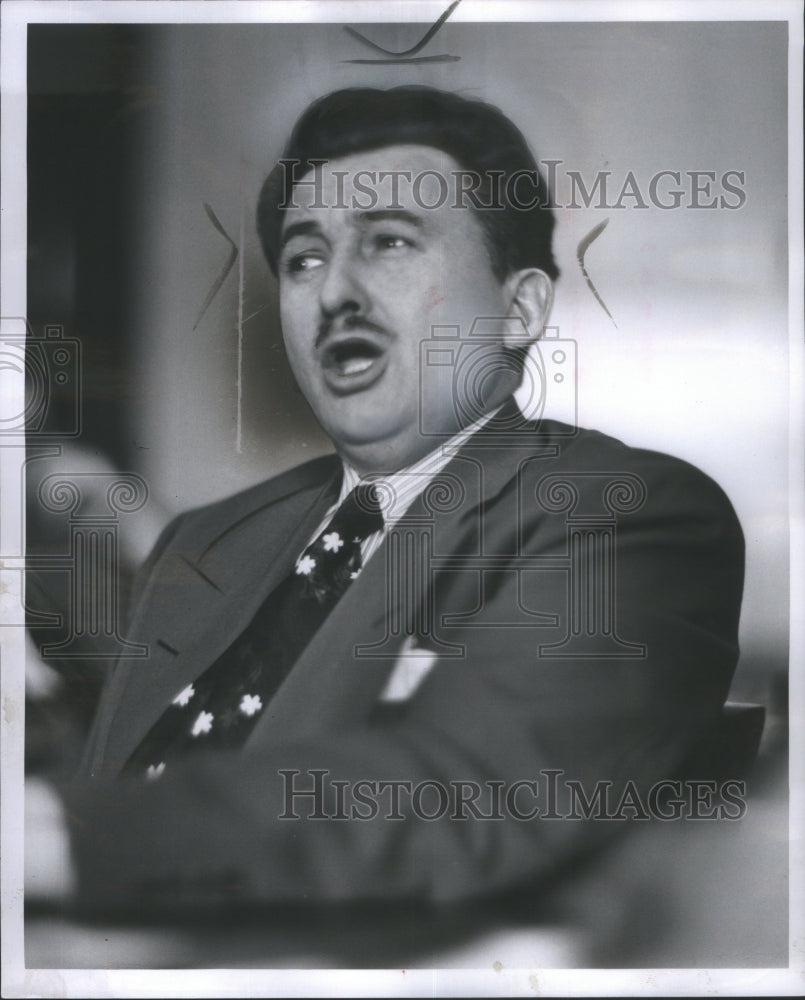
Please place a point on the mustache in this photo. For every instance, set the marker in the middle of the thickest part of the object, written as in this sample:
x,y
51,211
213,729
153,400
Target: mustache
x,y
346,324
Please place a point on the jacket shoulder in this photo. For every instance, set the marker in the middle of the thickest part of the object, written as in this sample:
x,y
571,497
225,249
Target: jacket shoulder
x,y
592,450
670,491
199,527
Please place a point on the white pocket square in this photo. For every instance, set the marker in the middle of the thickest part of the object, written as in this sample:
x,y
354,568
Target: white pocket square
x,y
410,668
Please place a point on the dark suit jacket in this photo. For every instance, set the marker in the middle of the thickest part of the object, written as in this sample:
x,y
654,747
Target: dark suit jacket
x,y
499,704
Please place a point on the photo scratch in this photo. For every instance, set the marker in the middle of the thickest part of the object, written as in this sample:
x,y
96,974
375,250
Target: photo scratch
x,y
581,250
230,262
398,57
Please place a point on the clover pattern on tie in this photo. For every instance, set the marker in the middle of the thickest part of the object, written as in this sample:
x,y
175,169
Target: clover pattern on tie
x,y
330,563
219,710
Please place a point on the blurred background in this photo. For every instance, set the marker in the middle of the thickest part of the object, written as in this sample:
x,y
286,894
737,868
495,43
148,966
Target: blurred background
x,y
147,146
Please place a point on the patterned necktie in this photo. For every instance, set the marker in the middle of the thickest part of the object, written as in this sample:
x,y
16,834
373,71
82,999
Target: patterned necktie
x,y
220,708
333,560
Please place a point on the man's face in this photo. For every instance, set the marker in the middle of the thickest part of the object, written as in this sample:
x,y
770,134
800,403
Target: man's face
x,y
361,288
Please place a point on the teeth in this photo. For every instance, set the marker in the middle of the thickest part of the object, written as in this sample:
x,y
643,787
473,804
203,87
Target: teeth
x,y
355,365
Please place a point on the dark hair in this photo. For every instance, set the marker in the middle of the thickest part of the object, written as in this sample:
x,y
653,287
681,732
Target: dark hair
x,y
477,135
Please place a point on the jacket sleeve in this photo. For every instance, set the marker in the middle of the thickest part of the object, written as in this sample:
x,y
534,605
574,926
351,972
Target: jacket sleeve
x,y
506,719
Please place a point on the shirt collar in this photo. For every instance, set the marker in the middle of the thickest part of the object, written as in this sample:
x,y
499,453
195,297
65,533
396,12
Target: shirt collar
x,y
398,490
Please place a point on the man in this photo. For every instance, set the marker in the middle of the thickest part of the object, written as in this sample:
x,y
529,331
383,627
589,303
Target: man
x,y
367,676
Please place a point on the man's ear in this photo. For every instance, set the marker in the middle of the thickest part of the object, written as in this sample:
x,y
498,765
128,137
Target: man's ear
x,y
531,298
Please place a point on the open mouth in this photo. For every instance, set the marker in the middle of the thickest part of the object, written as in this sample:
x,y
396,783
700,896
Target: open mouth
x,y
352,362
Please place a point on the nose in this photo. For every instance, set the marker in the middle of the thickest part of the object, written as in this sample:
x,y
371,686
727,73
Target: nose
x,y
343,290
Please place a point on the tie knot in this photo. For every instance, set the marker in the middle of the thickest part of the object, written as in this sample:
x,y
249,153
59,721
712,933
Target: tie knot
x,y
333,559
359,514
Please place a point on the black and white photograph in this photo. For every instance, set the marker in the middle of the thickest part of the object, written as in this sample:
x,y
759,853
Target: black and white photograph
x,y
401,545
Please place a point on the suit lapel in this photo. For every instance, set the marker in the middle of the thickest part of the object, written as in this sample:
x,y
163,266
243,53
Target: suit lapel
x,y
197,607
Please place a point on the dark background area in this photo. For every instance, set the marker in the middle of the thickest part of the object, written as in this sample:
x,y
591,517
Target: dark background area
x,y
90,108
89,105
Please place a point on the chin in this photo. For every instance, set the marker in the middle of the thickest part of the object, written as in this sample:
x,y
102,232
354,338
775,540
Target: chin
x,y
363,433
380,452
366,423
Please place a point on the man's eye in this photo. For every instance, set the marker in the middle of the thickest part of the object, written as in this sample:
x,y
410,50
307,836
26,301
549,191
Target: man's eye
x,y
302,262
388,242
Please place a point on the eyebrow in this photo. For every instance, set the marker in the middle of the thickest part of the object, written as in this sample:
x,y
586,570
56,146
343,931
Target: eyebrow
x,y
308,228
392,215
